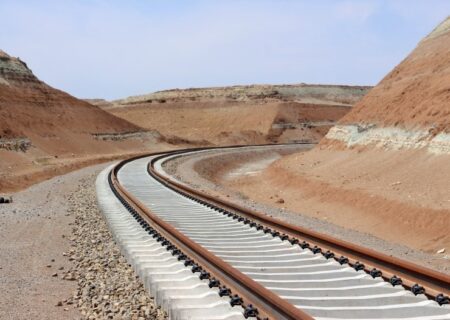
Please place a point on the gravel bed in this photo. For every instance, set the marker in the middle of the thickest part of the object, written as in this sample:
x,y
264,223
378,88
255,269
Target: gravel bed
x,y
108,288
58,259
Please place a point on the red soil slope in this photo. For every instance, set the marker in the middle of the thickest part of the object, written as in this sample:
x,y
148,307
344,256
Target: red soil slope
x,y
416,93
43,129
28,106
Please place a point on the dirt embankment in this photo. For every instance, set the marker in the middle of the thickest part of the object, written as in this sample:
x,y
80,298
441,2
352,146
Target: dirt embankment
x,y
353,206
382,194
242,114
386,201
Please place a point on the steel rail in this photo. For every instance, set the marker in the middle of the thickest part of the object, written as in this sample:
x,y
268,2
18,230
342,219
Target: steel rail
x,y
434,282
266,302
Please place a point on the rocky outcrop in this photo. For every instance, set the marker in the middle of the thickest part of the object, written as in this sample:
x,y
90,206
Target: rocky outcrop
x,y
15,144
14,72
309,93
392,138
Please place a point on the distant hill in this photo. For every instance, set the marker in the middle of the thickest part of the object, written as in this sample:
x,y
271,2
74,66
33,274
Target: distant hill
x,y
250,114
307,93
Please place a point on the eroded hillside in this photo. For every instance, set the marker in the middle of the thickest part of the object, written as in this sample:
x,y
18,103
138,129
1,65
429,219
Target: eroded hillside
x,y
44,131
241,114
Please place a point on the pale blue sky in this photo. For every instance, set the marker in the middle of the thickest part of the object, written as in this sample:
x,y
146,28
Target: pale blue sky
x,y
113,49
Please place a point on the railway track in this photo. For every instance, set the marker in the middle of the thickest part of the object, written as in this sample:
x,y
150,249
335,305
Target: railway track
x,y
204,258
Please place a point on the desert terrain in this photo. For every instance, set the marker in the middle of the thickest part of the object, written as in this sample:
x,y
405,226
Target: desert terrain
x,y
384,168
47,137
368,165
45,132
240,177
241,114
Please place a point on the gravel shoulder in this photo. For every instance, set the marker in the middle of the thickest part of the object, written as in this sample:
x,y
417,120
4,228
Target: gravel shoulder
x,y
58,260
207,172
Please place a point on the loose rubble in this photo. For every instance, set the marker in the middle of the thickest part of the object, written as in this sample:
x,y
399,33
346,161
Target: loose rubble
x,y
107,286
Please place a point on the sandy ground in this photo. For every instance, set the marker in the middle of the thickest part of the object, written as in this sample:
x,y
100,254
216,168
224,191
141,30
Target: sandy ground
x,y
51,240
327,206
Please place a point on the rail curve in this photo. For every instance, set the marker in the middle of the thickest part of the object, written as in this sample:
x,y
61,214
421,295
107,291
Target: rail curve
x,y
249,264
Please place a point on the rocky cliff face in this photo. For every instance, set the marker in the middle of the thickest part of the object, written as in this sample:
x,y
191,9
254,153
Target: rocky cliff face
x,y
410,107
